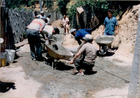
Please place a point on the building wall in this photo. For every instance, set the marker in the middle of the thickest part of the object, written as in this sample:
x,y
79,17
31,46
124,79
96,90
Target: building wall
x,y
134,87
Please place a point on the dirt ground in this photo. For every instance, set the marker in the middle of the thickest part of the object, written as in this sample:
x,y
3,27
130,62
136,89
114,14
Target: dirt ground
x,y
34,79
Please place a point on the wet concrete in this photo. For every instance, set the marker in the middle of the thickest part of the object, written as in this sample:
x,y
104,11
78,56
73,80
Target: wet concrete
x,y
63,84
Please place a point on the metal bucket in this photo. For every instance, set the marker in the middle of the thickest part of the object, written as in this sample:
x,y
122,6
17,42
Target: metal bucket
x,y
10,55
2,59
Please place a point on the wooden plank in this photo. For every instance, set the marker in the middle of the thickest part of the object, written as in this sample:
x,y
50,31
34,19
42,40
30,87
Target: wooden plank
x,y
80,10
21,43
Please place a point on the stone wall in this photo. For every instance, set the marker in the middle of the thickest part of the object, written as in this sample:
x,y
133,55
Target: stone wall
x,y
16,21
19,19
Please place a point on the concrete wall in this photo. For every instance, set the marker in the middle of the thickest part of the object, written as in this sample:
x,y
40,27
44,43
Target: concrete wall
x,y
134,87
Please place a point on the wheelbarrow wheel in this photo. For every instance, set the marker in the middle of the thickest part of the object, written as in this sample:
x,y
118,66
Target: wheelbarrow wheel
x,y
102,52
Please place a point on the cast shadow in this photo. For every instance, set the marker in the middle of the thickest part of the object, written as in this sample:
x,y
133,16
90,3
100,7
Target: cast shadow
x,y
90,73
62,66
6,86
106,55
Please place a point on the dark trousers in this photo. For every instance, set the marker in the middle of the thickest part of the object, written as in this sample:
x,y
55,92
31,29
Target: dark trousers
x,y
35,44
81,64
78,40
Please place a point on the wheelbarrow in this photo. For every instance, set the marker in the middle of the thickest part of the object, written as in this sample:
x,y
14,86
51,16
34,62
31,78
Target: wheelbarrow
x,y
104,41
57,51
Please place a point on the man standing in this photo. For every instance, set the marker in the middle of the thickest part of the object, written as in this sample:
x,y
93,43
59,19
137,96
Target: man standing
x,y
80,34
65,22
33,30
89,52
110,23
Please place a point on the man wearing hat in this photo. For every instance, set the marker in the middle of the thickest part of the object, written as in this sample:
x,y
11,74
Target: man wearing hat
x,y
80,34
41,15
90,53
33,31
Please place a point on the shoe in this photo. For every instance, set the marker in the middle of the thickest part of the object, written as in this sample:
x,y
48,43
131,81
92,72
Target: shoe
x,y
34,59
80,74
41,59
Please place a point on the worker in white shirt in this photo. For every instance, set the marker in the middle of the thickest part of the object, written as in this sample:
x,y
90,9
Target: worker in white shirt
x,y
49,31
49,19
33,31
65,22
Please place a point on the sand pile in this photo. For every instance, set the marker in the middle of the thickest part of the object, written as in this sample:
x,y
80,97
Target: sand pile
x,y
125,40
57,24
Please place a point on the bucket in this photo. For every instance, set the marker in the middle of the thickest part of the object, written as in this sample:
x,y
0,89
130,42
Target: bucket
x,y
10,55
2,59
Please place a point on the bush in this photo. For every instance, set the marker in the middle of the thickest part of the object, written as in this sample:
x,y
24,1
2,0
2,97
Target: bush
x,y
62,6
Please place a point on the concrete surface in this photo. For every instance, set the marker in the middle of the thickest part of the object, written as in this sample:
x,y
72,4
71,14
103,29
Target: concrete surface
x,y
35,79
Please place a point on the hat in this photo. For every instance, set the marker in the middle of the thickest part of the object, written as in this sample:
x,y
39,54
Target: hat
x,y
88,37
72,30
1,40
42,12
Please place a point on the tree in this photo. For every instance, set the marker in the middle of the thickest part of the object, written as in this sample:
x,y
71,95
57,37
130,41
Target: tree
x,y
62,6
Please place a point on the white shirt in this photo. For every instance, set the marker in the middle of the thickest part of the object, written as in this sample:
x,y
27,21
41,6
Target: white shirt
x,y
65,21
48,20
36,24
48,30
40,16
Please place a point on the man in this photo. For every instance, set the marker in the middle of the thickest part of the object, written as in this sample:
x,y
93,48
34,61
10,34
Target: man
x,y
110,23
80,34
49,19
65,22
33,30
49,31
90,53
41,15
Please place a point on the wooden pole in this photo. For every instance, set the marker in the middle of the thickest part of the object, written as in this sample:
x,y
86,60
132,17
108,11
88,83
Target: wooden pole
x,y
40,2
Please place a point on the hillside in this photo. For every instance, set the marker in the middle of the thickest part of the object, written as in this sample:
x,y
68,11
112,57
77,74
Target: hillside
x,y
125,40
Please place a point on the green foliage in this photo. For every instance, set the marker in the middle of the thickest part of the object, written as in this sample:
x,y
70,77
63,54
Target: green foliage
x,y
18,3
32,2
49,4
62,6
93,6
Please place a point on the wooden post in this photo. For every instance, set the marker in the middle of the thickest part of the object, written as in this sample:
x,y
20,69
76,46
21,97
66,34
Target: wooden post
x,y
2,28
40,2
134,87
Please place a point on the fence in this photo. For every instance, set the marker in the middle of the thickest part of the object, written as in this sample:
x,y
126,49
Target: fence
x,y
16,22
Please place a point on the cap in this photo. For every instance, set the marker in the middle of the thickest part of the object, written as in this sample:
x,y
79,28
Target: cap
x,y
88,37
1,40
42,12
72,30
